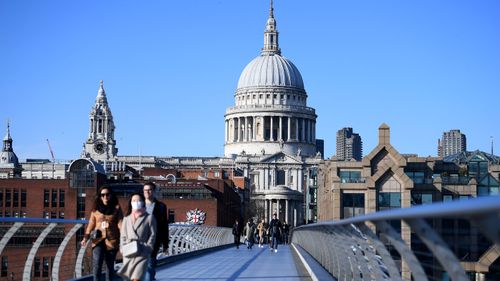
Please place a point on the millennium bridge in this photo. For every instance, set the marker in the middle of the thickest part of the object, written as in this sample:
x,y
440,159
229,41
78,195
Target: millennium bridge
x,y
457,240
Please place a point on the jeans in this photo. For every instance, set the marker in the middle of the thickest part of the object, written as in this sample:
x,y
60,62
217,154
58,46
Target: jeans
x,y
99,255
274,242
150,273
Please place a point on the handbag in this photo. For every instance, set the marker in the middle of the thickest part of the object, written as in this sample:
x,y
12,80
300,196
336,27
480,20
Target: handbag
x,y
130,249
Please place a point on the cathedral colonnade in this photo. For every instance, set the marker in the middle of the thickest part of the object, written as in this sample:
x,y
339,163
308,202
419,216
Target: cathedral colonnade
x,y
270,128
287,209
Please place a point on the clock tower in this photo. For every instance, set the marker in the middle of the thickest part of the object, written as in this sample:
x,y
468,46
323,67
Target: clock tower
x,y
101,143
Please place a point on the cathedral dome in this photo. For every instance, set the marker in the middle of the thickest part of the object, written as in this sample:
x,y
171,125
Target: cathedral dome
x,y
270,70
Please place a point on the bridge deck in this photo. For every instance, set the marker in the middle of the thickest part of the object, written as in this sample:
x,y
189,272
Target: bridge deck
x,y
238,264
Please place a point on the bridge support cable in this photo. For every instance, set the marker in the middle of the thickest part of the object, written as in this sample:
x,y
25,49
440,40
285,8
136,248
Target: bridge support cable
x,y
60,251
12,230
31,256
403,250
439,248
382,251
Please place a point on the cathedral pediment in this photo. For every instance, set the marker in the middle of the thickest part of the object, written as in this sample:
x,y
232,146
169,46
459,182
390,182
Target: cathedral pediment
x,y
282,157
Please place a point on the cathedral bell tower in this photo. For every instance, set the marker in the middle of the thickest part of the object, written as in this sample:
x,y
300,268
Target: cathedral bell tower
x,y
101,143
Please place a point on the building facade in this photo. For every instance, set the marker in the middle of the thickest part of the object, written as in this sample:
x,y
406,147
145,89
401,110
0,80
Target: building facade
x,y
385,179
349,145
451,143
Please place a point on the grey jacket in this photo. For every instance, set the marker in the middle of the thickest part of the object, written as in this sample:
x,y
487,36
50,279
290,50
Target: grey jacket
x,y
145,227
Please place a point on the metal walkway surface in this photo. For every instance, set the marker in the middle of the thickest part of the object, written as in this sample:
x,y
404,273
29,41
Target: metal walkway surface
x,y
238,264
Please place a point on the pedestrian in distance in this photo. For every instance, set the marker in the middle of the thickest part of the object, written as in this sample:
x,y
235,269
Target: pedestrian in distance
x,y
138,228
236,233
159,210
275,232
286,232
249,233
261,229
103,231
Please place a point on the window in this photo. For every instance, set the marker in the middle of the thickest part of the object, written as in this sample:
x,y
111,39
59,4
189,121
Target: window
x,y
46,198
15,200
447,198
353,204
8,198
350,176
171,215
421,198
80,207
23,198
61,215
5,267
36,267
1,198
54,198
45,272
389,200
216,174
417,177
280,177
61,198
45,215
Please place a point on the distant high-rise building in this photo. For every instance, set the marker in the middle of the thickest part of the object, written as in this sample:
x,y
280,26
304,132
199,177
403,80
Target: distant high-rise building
x,y
451,143
349,145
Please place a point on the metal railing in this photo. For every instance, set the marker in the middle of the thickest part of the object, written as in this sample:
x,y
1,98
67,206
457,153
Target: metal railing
x,y
369,247
50,248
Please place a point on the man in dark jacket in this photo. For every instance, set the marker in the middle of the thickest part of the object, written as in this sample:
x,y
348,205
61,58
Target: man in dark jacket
x,y
159,211
275,232
236,233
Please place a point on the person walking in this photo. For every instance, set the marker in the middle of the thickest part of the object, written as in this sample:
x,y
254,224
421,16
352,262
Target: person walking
x,y
261,228
159,210
286,233
103,231
249,233
236,233
138,228
274,232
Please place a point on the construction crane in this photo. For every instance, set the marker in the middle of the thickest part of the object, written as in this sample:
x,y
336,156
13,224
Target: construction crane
x,y
51,152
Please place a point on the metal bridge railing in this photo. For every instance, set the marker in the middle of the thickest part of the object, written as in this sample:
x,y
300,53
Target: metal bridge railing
x,y
50,248
409,244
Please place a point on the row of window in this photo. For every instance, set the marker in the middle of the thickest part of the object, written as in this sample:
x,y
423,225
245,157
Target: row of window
x,y
354,203
53,198
41,266
13,198
14,214
53,215
275,96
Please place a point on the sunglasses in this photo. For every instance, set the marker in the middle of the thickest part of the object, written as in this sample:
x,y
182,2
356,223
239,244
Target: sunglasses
x,y
105,194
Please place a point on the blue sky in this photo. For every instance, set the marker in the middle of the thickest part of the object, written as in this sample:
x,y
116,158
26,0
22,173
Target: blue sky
x,y
170,70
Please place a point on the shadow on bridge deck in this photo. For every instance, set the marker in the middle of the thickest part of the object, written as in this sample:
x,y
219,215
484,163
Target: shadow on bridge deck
x,y
238,264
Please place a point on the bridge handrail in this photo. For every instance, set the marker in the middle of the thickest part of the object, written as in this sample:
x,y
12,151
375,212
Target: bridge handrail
x,y
350,248
183,238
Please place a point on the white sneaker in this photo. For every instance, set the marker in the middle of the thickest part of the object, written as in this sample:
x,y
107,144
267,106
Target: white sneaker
x,y
275,250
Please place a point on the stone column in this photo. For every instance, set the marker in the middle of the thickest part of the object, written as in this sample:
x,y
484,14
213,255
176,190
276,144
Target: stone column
x,y
278,208
300,180
266,203
266,178
289,129
270,214
225,131
280,132
237,126
314,131
296,129
287,219
303,130
254,135
271,126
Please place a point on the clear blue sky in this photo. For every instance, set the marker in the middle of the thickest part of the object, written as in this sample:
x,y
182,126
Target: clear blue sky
x,y
170,70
